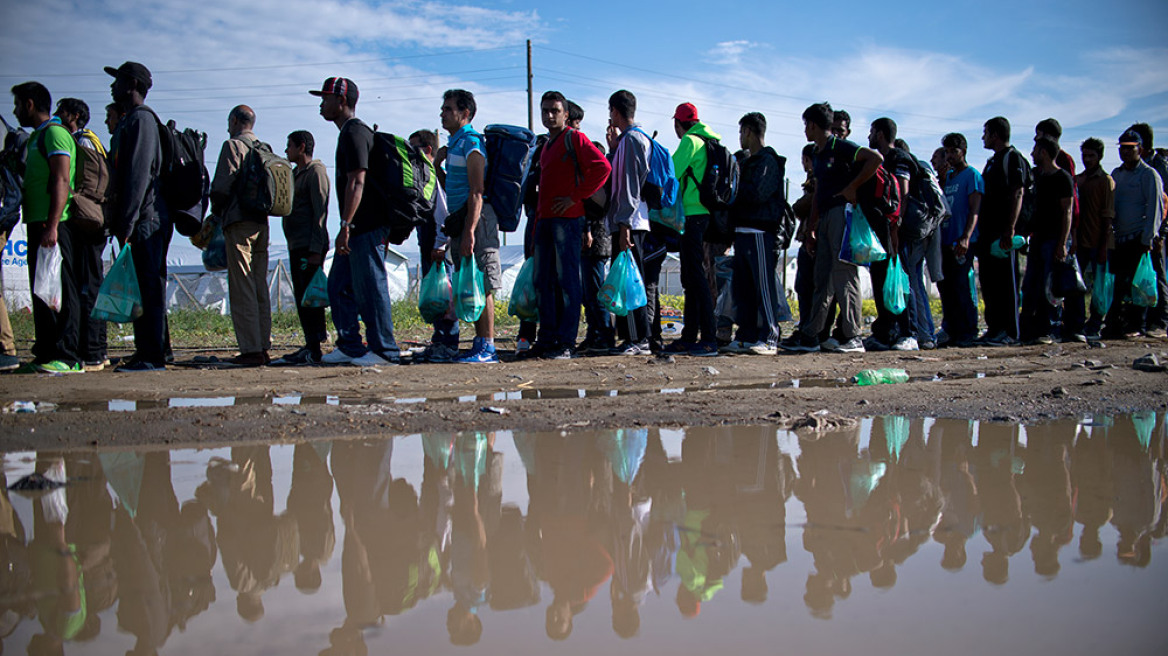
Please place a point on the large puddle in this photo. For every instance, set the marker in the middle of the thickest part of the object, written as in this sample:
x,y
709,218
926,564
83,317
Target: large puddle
x,y
892,537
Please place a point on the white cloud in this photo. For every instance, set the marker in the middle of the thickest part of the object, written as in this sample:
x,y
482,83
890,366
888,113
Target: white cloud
x,y
729,53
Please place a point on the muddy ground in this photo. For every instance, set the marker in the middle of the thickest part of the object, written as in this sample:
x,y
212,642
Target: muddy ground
x,y
1007,384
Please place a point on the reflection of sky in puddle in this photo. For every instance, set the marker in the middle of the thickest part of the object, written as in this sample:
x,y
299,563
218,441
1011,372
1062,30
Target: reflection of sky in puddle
x,y
819,518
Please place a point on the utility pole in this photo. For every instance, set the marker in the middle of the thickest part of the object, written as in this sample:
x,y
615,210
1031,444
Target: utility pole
x,y
530,116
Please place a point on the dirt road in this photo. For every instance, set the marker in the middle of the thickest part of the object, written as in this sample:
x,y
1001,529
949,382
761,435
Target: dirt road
x,y
234,405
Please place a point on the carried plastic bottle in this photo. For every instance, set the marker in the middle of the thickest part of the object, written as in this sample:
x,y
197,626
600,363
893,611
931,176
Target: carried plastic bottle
x,y
881,377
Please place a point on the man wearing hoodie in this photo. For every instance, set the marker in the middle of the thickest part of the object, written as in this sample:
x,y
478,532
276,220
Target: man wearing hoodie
x,y
756,215
689,162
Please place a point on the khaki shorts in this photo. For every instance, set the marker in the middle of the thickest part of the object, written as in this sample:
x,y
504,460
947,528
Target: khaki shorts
x,y
486,251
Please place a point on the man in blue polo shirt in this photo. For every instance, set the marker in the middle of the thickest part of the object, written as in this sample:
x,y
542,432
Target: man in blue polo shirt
x,y
478,234
48,185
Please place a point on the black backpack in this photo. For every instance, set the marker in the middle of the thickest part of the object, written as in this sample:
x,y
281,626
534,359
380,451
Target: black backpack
x,y
183,178
925,208
1026,214
719,185
405,179
11,176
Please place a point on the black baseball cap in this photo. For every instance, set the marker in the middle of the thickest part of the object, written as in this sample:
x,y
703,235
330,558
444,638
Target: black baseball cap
x,y
1131,138
132,70
339,86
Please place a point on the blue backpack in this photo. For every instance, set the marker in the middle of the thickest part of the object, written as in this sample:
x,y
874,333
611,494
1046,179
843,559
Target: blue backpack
x,y
509,149
660,189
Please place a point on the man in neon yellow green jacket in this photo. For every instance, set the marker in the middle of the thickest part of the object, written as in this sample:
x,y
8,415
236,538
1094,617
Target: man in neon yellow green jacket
x,y
689,163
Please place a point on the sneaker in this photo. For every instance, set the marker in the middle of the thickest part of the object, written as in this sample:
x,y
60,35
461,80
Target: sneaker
x,y
853,345
736,347
906,344
250,360
336,356
563,353
928,346
875,345
441,354
801,342
942,338
305,356
763,348
831,344
137,366
679,346
596,348
1075,337
703,350
1001,339
631,348
522,345
480,353
58,367
1041,340
9,362
372,359
95,365
1156,333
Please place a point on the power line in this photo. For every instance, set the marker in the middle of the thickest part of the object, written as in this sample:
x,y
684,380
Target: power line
x,y
365,93
363,103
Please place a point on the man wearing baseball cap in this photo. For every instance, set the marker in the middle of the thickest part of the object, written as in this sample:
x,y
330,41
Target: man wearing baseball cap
x,y
698,336
357,282
136,219
1139,209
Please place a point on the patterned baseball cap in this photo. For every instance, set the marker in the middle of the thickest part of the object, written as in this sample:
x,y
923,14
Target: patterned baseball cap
x,y
339,86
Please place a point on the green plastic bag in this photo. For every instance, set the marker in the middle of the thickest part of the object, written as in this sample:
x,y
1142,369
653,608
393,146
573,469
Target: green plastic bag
x,y
524,299
670,217
896,288
624,289
860,244
973,286
1103,289
896,434
436,294
316,294
472,296
119,299
996,248
1143,290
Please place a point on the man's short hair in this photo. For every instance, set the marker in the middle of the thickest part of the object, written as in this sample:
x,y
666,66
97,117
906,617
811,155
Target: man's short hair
x,y
901,144
955,140
1050,126
428,139
625,104
843,117
75,107
303,138
819,114
242,115
575,112
42,101
554,96
1093,144
1048,145
1145,132
809,151
755,122
999,126
464,101
886,127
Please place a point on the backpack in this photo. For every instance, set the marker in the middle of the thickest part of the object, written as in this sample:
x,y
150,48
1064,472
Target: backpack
x,y
264,184
11,176
661,187
787,227
1026,214
91,182
182,178
879,196
509,150
406,180
925,208
719,185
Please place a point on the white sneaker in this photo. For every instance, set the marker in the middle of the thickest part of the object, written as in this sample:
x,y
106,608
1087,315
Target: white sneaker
x,y
853,345
906,344
736,346
762,348
830,344
371,359
336,356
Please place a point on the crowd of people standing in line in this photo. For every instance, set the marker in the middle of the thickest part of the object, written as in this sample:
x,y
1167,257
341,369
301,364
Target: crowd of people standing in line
x,y
586,203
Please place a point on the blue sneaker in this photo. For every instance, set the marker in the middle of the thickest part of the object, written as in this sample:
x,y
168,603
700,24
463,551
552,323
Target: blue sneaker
x,y
480,353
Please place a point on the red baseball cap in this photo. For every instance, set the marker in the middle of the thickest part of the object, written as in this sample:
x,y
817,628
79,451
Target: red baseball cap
x,y
339,86
686,113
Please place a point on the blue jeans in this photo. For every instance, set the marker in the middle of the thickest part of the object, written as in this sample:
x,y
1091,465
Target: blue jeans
x,y
600,329
558,242
358,289
920,313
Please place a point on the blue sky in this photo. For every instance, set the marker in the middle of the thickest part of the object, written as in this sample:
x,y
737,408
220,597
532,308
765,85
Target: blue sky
x,y
933,66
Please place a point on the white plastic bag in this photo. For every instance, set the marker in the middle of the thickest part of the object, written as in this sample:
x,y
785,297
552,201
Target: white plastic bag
x,y
47,285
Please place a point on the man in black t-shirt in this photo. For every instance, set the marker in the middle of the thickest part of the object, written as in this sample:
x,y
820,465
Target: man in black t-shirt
x,y
890,331
357,281
1051,231
1006,176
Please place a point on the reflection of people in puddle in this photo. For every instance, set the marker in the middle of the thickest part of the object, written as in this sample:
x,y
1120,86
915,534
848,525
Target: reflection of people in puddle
x,y
998,461
708,547
310,502
1091,481
1046,485
629,523
570,500
469,565
953,438
763,481
58,584
1139,492
90,529
257,546
825,464
15,574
